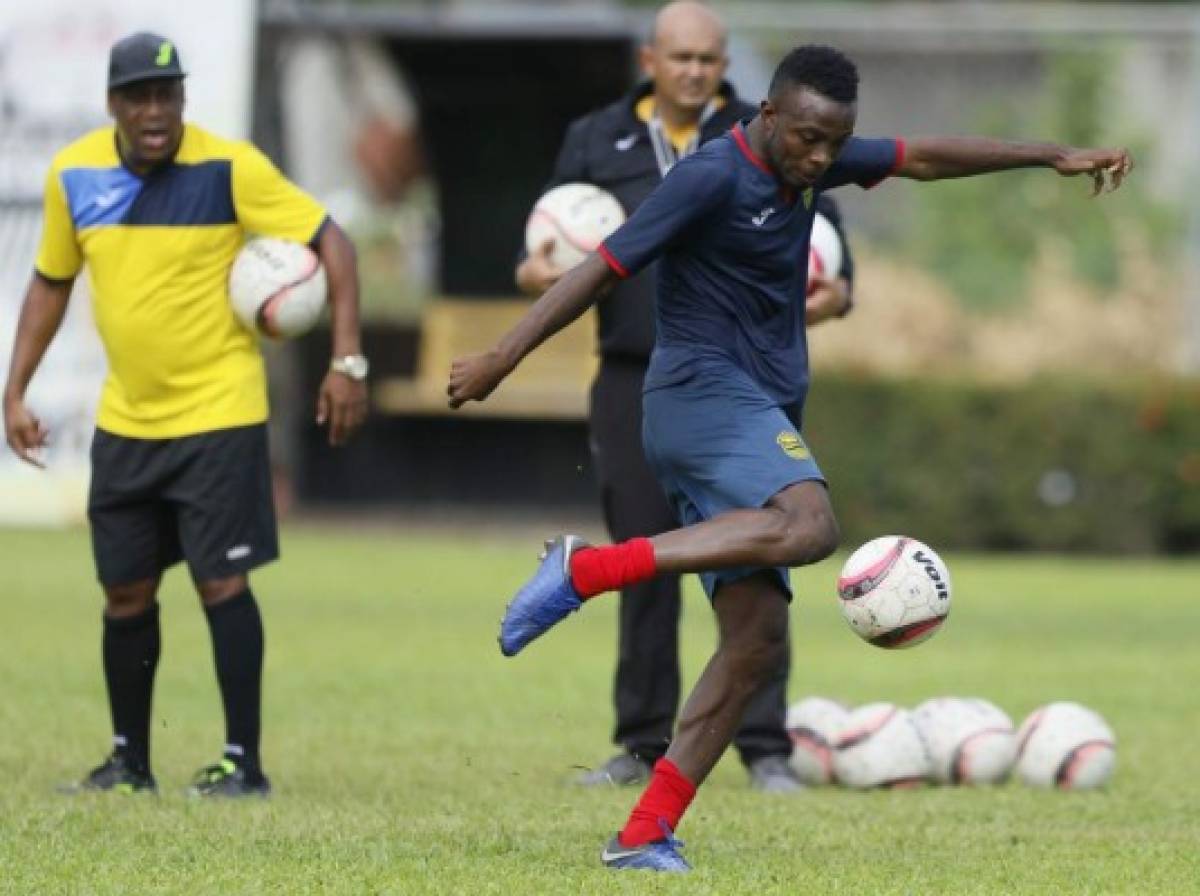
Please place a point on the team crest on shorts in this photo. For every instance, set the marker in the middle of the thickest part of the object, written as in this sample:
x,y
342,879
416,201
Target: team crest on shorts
x,y
793,446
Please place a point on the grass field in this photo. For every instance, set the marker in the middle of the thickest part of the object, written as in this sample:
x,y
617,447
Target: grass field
x,y
410,757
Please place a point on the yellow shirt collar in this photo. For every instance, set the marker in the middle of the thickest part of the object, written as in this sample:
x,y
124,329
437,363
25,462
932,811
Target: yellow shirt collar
x,y
680,137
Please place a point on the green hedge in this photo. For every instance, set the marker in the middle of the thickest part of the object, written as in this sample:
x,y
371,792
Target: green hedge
x,y
1056,466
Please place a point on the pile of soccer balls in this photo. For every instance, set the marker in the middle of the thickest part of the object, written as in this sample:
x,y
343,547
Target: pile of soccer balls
x,y
894,592
949,740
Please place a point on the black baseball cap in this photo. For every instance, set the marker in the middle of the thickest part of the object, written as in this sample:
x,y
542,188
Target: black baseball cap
x,y
142,57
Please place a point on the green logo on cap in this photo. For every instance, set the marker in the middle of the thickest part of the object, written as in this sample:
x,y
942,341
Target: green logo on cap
x,y
164,54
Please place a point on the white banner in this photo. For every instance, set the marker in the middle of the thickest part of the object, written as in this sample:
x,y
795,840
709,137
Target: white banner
x,y
53,66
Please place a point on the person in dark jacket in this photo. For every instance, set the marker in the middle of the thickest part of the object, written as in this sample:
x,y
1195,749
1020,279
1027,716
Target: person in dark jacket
x,y
627,148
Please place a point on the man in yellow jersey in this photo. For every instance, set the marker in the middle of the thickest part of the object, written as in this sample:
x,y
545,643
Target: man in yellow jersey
x,y
156,210
627,148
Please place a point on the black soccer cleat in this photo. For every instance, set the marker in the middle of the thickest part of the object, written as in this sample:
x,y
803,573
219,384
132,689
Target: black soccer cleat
x,y
773,774
228,779
623,770
114,775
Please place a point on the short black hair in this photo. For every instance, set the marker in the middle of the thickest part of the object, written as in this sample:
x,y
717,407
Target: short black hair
x,y
824,69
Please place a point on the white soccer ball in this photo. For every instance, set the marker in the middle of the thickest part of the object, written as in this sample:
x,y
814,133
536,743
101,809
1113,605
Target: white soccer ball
x,y
970,741
824,250
578,217
813,725
879,746
277,287
895,591
1067,746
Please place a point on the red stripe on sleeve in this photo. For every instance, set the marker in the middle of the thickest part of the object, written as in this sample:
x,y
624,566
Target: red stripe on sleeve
x,y
901,149
611,261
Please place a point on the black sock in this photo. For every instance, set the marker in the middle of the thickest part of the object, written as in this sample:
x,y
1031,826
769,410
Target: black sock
x,y
237,636
130,648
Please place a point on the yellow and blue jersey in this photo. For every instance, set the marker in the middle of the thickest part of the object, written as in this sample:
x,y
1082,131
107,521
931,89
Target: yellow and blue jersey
x,y
158,250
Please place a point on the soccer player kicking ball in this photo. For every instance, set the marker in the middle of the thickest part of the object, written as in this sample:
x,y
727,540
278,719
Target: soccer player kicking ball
x,y
730,224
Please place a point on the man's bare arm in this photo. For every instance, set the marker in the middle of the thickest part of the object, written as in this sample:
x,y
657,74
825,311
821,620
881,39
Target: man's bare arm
x,y
938,158
341,402
41,315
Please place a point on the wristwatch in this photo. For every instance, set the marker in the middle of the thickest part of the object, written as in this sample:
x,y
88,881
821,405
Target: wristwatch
x,y
353,366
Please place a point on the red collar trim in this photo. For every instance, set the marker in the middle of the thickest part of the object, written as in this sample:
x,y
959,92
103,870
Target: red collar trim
x,y
739,137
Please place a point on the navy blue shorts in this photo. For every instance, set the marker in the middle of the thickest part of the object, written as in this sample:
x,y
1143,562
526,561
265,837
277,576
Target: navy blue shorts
x,y
717,443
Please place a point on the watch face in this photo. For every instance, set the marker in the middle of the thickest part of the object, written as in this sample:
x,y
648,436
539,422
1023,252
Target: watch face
x,y
354,366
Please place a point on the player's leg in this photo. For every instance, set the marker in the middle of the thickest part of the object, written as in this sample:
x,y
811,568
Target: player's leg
x,y
752,622
130,648
235,626
719,444
762,740
646,685
227,528
133,541
795,528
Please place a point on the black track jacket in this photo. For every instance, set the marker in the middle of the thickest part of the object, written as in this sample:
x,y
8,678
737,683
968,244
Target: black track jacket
x,y
613,149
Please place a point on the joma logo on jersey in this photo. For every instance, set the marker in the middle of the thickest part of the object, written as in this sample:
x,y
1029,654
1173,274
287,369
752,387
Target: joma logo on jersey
x,y
761,218
939,584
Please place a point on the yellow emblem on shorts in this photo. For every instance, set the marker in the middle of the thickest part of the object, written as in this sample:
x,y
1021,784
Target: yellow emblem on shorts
x,y
793,446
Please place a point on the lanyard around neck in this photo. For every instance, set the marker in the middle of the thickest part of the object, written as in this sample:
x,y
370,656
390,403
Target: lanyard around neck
x,y
665,152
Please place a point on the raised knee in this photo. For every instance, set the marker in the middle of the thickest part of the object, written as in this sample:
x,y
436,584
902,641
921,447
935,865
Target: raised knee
x,y
826,537
799,542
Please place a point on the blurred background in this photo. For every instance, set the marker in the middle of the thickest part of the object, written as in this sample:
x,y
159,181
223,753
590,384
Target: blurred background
x,y
1020,372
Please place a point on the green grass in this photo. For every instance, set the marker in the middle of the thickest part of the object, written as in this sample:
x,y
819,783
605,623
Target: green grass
x,y
410,757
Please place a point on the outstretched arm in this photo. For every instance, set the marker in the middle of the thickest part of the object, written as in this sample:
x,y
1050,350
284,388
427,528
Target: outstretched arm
x,y
41,314
937,158
474,377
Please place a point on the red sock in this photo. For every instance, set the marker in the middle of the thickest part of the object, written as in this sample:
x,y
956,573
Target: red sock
x,y
596,570
665,798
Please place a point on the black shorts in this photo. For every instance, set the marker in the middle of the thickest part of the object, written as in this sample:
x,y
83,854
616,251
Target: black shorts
x,y
204,498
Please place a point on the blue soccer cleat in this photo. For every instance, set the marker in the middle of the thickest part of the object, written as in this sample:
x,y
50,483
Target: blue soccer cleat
x,y
659,855
545,599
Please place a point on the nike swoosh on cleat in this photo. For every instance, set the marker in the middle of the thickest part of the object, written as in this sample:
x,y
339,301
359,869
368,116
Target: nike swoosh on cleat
x,y
613,856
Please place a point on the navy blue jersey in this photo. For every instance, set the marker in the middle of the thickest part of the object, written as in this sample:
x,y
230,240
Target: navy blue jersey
x,y
732,243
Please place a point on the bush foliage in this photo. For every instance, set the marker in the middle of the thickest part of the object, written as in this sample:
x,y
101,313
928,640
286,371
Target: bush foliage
x,y
982,234
1055,465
